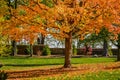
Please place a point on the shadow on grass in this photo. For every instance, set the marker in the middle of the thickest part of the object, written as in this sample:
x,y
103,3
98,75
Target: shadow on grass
x,y
15,57
29,57
30,65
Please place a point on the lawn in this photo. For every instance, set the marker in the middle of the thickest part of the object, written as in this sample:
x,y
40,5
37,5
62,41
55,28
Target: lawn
x,y
51,66
23,63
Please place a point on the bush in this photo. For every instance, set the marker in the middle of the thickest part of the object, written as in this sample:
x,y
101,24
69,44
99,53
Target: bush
x,y
3,75
110,51
74,50
27,50
5,50
46,50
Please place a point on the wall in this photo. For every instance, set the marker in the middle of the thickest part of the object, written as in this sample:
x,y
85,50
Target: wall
x,y
21,49
58,51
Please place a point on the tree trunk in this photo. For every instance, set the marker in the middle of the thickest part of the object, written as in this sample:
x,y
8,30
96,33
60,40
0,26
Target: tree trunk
x,y
9,3
118,54
105,48
31,50
42,39
78,43
68,51
38,40
15,4
14,48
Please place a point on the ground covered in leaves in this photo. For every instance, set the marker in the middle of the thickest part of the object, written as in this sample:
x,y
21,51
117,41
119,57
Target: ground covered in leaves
x,y
52,72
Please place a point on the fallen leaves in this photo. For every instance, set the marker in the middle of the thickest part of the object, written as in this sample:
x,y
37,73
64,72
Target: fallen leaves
x,y
80,69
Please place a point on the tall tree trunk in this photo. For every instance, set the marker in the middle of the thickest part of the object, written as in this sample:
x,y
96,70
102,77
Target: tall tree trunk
x,y
9,3
15,4
14,45
105,48
14,48
38,40
78,43
118,54
42,39
31,50
68,51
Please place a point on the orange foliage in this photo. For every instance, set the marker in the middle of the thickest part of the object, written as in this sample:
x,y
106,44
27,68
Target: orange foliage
x,y
69,16
85,19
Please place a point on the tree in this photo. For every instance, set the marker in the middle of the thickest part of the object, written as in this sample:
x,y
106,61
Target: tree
x,y
18,28
72,19
66,19
8,5
118,45
104,36
4,49
14,44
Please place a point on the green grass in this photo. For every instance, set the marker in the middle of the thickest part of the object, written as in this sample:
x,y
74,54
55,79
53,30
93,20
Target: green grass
x,y
30,62
103,75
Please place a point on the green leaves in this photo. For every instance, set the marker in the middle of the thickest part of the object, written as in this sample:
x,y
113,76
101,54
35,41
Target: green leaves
x,y
48,3
22,12
3,7
46,50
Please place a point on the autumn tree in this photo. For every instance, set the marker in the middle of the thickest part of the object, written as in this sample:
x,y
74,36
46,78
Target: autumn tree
x,y
10,4
66,19
21,26
4,49
70,19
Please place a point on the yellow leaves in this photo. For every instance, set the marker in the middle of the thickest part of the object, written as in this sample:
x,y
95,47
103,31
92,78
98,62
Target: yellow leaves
x,y
100,20
65,29
33,31
60,9
82,37
15,34
1,19
72,18
81,9
3,7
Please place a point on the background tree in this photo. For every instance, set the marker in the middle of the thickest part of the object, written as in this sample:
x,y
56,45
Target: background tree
x,y
104,37
117,43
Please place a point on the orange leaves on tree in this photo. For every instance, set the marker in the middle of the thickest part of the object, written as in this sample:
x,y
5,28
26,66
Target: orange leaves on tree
x,y
69,16
90,17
